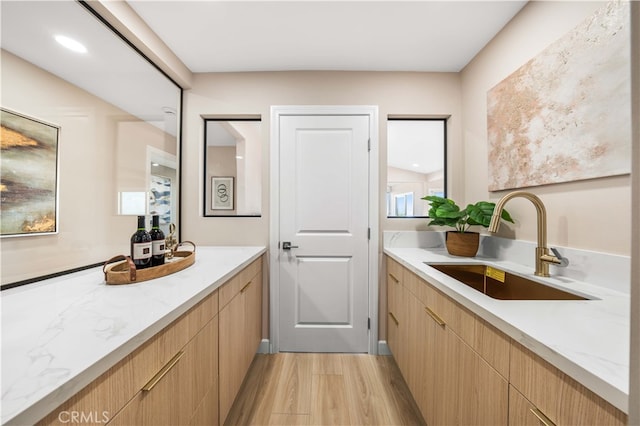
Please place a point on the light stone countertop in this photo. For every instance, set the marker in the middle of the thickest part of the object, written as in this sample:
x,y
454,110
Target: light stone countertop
x,y
60,334
588,340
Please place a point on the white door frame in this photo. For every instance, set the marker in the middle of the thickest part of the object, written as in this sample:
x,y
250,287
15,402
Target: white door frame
x,y
274,251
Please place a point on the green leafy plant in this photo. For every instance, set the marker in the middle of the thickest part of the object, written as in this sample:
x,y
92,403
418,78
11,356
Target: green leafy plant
x,y
445,212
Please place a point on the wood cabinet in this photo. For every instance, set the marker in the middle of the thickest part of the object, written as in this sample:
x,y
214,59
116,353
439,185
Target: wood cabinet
x,y
461,370
181,387
240,332
449,379
187,373
550,394
396,325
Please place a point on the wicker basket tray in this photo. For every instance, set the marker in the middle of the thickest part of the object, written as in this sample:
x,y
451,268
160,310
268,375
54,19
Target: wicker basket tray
x,y
125,272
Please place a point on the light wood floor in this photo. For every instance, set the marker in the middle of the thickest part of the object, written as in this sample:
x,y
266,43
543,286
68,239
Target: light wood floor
x,y
324,389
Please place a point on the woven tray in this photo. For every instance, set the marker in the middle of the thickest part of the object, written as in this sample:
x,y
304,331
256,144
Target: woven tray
x,y
125,272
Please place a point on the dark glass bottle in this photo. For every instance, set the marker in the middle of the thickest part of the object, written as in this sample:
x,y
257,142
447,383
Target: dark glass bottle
x,y
141,249
157,242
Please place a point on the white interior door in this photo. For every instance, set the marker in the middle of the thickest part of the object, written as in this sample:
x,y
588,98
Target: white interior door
x,y
324,216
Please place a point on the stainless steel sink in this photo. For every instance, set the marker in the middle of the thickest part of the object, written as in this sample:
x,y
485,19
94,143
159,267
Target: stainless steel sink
x,y
499,284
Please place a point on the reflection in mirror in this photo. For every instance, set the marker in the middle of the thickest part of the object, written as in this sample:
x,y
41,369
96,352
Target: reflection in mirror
x,y
118,115
416,164
232,172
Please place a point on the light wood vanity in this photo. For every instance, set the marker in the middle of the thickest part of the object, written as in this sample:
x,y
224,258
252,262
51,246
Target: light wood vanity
x,y
462,370
189,373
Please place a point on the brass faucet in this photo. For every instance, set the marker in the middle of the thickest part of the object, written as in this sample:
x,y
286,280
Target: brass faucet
x,y
543,256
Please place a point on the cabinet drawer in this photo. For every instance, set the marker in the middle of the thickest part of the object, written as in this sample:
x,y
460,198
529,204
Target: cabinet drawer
x,y
232,287
114,388
559,397
491,344
394,271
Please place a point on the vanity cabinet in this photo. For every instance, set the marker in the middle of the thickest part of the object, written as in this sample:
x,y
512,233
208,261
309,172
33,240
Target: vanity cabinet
x,y
462,370
240,331
178,397
187,373
541,393
397,326
433,343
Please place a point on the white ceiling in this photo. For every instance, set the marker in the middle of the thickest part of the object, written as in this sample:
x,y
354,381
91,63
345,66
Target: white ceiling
x,y
227,36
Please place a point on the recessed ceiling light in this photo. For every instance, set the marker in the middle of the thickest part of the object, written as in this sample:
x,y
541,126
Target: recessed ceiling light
x,y
239,157
416,165
71,44
155,164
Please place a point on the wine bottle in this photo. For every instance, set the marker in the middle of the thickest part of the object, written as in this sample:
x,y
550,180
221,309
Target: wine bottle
x,y
157,242
141,249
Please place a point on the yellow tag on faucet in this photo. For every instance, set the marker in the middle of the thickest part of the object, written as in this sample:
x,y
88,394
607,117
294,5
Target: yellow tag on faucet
x,y
494,273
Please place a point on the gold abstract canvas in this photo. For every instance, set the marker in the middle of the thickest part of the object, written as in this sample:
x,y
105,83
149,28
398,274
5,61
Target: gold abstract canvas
x,y
566,114
28,185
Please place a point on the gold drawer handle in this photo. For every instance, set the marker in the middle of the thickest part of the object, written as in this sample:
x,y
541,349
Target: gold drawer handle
x,y
394,278
245,287
160,374
544,420
435,317
393,317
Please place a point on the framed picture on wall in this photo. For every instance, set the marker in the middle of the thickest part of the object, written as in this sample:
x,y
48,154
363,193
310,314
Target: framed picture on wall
x,y
29,175
222,193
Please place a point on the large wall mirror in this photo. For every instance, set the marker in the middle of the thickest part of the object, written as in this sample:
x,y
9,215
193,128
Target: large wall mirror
x,y
118,120
416,164
232,167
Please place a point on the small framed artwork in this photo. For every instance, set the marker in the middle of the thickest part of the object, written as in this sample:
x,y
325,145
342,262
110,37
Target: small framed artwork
x,y
29,175
222,193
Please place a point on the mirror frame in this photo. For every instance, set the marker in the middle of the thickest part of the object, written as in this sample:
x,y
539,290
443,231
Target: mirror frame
x,y
445,120
216,118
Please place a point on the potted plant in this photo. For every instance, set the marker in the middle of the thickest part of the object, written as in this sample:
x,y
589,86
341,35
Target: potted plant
x,y
445,212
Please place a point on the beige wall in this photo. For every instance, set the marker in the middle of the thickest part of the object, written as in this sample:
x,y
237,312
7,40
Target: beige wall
x,y
93,135
576,216
227,94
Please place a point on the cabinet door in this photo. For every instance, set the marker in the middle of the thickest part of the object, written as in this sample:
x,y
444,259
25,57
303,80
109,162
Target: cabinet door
x,y
483,393
181,386
253,309
231,357
394,293
419,357
524,413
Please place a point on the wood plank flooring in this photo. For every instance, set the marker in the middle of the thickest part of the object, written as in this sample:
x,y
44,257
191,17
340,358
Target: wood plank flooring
x,y
324,389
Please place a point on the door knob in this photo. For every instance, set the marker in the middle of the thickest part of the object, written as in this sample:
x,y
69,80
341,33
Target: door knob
x,y
286,245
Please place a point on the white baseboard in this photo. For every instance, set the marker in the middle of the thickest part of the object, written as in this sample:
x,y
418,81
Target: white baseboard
x,y
383,348
264,347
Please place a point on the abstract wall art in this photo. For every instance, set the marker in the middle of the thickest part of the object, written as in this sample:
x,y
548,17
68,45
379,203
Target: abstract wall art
x,y
565,115
29,176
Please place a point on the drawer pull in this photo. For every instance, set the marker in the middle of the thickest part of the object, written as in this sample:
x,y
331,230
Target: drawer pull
x,y
435,317
245,287
393,317
544,420
160,374
394,278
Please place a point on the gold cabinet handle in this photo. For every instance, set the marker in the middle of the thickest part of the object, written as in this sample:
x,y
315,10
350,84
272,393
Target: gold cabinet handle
x,y
394,278
393,317
245,287
160,374
435,317
544,420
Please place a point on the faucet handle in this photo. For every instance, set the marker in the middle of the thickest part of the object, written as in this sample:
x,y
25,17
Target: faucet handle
x,y
562,261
